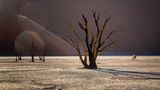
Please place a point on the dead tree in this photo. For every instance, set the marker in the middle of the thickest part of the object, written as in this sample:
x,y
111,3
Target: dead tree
x,y
18,55
43,59
92,44
37,49
29,43
33,51
42,55
134,57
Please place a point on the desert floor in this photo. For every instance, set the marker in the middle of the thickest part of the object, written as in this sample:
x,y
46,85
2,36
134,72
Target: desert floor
x,y
66,73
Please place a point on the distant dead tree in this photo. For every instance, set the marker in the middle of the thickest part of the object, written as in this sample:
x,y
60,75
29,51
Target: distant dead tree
x,y
134,57
18,56
29,43
93,43
36,49
33,51
42,55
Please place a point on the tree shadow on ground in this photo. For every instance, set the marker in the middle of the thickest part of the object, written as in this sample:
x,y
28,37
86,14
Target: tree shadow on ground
x,y
146,75
10,81
15,71
48,86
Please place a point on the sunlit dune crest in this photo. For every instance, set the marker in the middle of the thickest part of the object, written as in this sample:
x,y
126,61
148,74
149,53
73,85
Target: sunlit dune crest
x,y
53,44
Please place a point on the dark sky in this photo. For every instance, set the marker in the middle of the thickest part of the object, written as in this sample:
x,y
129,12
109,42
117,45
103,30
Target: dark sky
x,y
138,19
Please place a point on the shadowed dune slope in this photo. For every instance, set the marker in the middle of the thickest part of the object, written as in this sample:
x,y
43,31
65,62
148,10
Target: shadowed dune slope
x,y
12,25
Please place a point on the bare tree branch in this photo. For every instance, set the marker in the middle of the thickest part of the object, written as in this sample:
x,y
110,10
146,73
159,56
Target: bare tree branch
x,y
85,20
109,35
71,43
86,33
101,32
108,45
105,23
96,20
81,26
76,35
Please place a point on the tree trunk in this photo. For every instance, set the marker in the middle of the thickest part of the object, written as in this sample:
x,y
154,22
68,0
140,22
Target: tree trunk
x,y
43,58
85,65
40,57
16,58
92,63
19,58
32,58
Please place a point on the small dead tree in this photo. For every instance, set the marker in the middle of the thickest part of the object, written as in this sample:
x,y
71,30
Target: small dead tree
x,y
42,55
92,44
33,51
134,57
29,43
36,49
18,57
